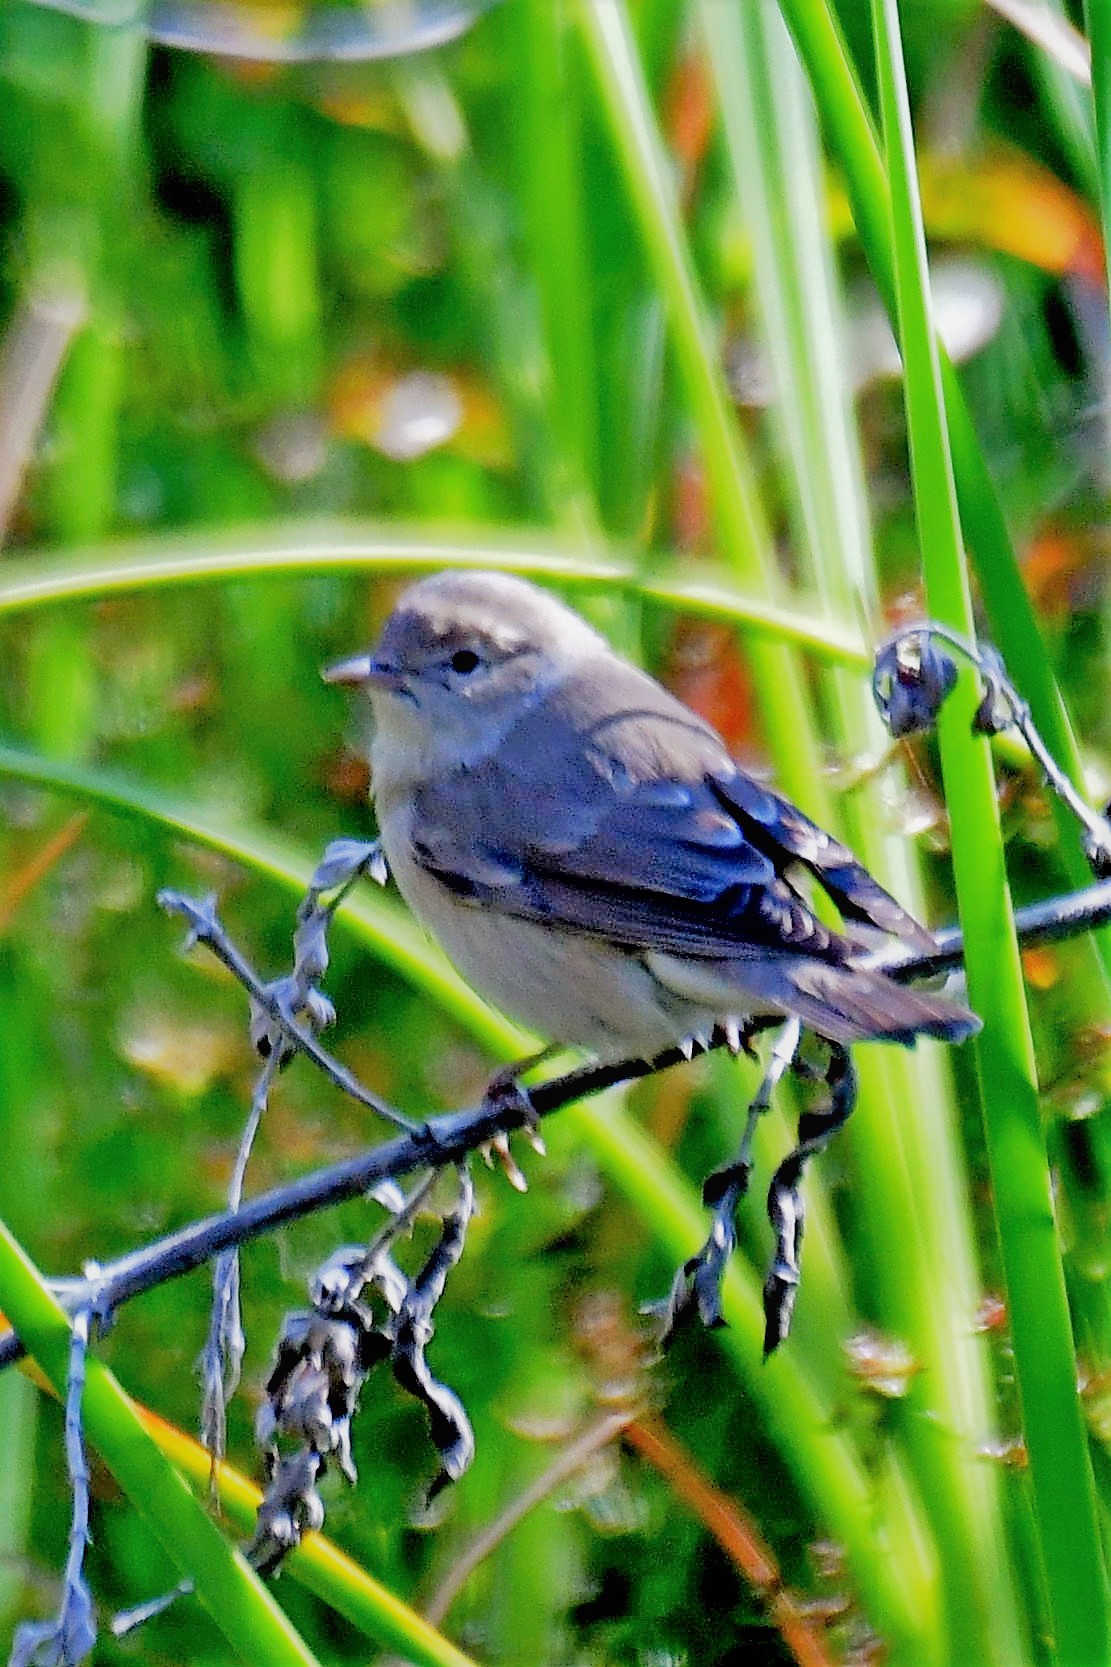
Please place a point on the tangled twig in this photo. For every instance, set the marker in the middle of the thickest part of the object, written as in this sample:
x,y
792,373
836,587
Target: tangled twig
x,y
451,1137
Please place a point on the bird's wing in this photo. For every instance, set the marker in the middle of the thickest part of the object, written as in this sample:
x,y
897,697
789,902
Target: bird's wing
x,y
773,824
678,853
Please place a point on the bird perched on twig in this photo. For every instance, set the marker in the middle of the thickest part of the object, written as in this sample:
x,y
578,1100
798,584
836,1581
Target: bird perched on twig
x,y
588,854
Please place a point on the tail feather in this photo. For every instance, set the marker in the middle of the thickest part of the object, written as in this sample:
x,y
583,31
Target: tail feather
x,y
840,1000
857,1004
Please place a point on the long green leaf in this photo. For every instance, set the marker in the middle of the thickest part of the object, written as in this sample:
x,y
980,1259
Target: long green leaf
x,y
745,538
847,122
1044,1350
46,580
906,1123
1098,14
238,1601
318,1564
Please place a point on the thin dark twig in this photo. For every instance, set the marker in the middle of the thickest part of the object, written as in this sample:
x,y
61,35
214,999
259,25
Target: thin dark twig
x,y
440,1141
335,1294
71,1635
449,1138
205,928
1052,921
913,677
129,1620
221,1360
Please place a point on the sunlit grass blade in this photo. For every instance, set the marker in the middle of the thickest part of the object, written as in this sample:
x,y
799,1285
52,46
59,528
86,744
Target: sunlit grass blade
x,y
239,1603
1063,76
745,540
1098,15
17,1473
848,125
1041,1333
551,165
392,932
318,1564
906,1123
514,342
48,579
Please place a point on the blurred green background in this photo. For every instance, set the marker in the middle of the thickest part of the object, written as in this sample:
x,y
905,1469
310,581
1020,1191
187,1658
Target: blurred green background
x,y
579,285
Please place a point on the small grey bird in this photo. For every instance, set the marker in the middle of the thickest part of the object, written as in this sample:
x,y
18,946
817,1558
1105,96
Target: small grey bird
x,y
586,851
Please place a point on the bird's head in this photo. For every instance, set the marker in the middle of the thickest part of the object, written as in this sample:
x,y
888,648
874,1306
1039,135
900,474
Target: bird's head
x,y
462,657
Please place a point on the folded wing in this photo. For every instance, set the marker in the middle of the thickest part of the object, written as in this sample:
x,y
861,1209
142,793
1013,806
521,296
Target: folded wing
x,y
663,847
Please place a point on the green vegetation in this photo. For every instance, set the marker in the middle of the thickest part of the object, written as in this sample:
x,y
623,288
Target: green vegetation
x,y
590,292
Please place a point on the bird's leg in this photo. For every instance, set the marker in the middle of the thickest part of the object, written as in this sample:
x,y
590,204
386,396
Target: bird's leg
x,y
506,1099
504,1092
699,1279
786,1211
736,1173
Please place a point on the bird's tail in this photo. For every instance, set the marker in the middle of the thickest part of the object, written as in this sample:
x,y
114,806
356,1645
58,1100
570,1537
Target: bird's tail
x,y
858,1004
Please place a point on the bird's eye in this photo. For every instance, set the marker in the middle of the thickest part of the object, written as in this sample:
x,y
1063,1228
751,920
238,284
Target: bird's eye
x,y
464,660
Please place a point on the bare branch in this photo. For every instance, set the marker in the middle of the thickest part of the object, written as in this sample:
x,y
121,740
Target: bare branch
x,y
449,1138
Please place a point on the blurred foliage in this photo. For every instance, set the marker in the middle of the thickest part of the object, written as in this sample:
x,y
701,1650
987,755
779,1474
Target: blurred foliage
x,y
414,289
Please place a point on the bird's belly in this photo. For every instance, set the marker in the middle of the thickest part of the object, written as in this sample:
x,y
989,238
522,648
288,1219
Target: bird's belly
x,y
566,986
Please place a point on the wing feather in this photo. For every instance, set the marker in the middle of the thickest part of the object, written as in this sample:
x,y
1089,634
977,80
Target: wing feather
x,y
641,832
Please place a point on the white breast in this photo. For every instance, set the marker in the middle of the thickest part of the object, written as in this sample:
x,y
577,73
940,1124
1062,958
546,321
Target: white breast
x,y
566,986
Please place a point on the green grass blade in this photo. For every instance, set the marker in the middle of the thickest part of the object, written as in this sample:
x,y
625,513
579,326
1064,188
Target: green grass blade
x,y
847,122
1067,104
745,540
18,1418
1098,15
45,580
318,1564
389,929
236,1598
906,1123
551,166
1044,1352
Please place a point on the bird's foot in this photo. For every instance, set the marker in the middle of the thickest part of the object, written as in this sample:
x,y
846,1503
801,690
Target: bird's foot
x,y
697,1286
507,1100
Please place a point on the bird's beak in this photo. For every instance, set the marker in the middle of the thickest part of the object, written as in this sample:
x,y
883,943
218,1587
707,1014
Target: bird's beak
x,y
363,669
